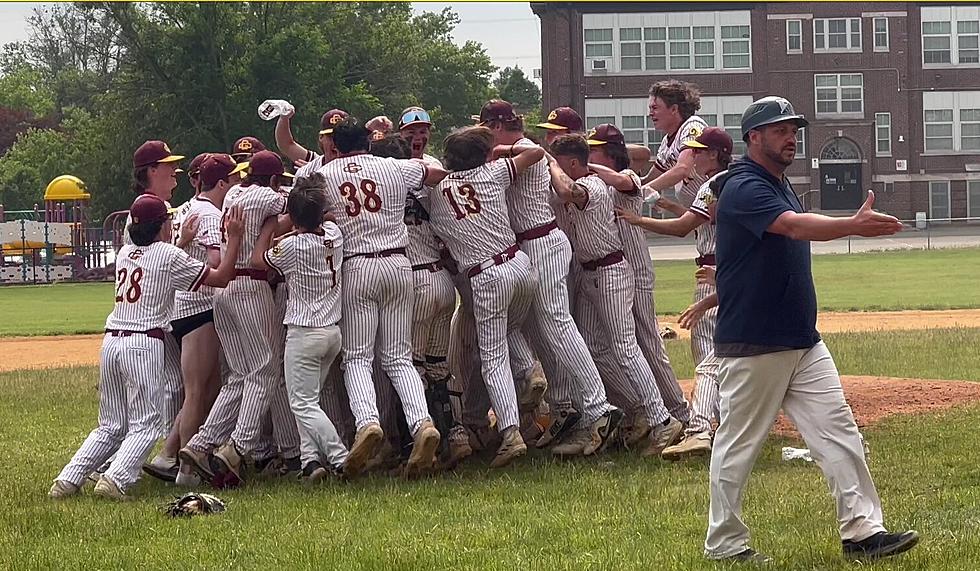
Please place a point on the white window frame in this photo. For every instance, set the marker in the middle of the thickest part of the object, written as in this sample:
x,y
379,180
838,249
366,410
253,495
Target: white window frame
x,y
883,121
730,42
586,43
651,42
949,205
839,95
953,103
800,143
874,34
953,16
631,42
799,34
850,34
973,203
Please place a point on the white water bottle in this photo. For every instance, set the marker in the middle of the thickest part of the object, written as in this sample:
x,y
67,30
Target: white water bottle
x,y
272,108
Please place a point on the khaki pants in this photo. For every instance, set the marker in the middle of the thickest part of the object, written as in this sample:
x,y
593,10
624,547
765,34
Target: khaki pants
x,y
806,385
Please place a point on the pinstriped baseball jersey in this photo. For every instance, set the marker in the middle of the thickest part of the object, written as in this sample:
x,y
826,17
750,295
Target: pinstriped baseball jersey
x,y
310,263
670,150
367,195
704,235
423,245
527,197
634,239
311,166
146,279
257,204
180,214
594,233
470,212
127,241
208,237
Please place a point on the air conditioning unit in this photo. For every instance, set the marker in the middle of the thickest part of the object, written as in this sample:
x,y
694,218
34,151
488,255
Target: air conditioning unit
x,y
537,73
599,64
901,165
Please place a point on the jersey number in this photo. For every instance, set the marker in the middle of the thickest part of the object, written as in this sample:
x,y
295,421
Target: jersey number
x,y
371,202
333,272
466,191
133,292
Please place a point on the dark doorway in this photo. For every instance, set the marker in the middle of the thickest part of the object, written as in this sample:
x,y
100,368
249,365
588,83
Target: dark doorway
x,y
840,186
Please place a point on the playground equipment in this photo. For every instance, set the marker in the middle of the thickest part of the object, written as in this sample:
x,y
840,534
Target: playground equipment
x,y
58,247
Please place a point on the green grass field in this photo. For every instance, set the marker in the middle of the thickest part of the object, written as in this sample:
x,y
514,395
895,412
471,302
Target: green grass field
x,y
936,279
612,512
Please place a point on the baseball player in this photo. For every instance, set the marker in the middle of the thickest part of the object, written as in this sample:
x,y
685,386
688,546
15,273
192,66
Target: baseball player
x,y
672,107
299,154
551,330
608,285
469,213
253,385
367,195
712,151
148,273
609,158
309,260
561,121
245,147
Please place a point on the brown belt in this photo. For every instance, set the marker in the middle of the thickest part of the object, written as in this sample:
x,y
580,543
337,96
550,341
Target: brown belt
x,y
608,260
494,260
260,275
538,232
432,267
381,254
156,333
705,260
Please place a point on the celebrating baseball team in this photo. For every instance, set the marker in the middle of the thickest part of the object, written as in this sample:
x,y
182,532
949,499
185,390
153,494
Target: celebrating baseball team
x,y
385,310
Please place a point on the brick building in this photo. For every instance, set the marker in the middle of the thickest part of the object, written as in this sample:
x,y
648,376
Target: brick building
x,y
891,89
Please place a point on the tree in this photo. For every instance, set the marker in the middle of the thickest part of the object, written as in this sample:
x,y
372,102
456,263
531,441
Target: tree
x,y
513,86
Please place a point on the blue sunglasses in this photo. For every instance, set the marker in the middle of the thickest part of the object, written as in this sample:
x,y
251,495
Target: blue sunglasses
x,y
415,116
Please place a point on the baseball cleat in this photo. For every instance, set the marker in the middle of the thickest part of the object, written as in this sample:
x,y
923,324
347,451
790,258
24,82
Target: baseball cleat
x,y
365,445
199,462
108,489
423,451
881,544
749,555
162,468
562,424
537,384
187,478
637,433
663,436
605,430
313,472
692,446
581,438
459,445
228,466
511,448
62,489
483,438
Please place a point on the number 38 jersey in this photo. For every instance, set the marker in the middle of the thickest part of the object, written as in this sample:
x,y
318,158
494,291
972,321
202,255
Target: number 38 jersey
x,y
147,277
469,212
367,196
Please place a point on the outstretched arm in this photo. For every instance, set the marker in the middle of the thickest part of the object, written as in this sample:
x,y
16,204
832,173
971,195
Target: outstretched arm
x,y
619,181
816,227
673,175
679,227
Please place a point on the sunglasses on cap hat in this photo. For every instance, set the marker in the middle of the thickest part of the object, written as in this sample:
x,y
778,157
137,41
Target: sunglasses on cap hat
x,y
414,115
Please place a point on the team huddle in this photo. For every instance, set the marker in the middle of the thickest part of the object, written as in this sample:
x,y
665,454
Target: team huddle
x,y
385,310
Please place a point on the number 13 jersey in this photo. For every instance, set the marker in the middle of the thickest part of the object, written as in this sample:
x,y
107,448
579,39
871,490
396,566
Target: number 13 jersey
x,y
367,196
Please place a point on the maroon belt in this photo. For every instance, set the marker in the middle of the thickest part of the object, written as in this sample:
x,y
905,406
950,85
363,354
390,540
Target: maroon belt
x,y
260,275
432,267
705,260
494,260
608,260
381,254
154,333
538,232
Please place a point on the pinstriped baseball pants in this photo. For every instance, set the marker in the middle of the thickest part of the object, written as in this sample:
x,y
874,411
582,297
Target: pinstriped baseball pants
x,y
435,300
502,298
334,401
285,435
704,402
571,371
130,398
653,349
609,290
378,303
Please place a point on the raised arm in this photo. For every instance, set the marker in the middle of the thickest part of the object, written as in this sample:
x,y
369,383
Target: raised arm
x,y
234,224
272,227
675,174
818,228
566,189
526,156
284,140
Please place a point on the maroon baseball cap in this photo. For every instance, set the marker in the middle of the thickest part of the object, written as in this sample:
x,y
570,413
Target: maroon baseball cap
x,y
195,167
266,163
246,146
563,119
496,110
148,208
219,167
330,119
712,138
607,133
153,152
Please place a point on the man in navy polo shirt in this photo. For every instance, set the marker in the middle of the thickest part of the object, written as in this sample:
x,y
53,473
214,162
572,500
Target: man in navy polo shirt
x,y
771,354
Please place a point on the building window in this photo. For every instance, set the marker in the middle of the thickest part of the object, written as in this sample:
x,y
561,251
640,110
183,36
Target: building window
x,y
630,48
593,122
950,36
735,49
936,42
680,48
598,43
968,42
794,36
839,94
888,187
939,129
704,47
633,127
883,134
970,129
881,34
655,48
952,121
973,198
843,34
800,144
654,137
939,200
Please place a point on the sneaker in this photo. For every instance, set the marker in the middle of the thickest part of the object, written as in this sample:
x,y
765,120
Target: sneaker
x,y
62,489
564,420
881,544
459,445
187,478
511,447
313,472
108,489
162,468
581,438
199,462
663,436
637,433
605,430
228,468
749,556
692,445
537,384
423,451
365,445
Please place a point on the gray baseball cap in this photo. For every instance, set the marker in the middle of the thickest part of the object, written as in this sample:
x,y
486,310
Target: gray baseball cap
x,y
769,110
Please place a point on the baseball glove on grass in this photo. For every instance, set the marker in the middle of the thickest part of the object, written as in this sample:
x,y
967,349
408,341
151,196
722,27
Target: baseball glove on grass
x,y
194,504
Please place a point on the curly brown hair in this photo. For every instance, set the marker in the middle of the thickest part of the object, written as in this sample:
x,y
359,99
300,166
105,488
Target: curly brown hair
x,y
686,96
467,148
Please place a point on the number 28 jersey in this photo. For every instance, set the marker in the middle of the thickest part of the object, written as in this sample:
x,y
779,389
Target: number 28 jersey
x,y
147,277
367,196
